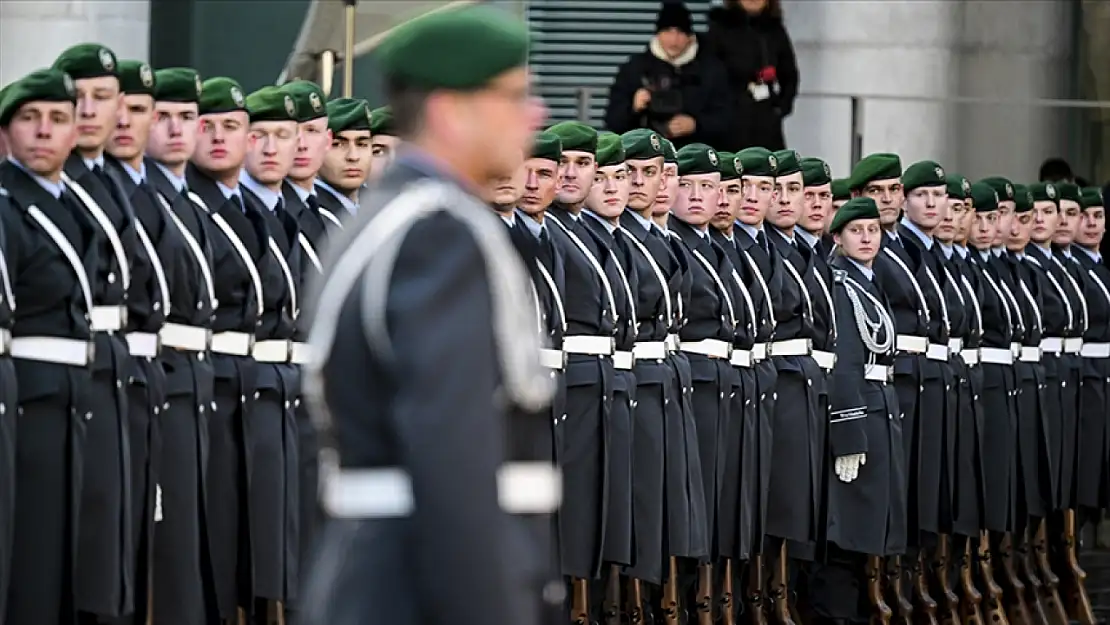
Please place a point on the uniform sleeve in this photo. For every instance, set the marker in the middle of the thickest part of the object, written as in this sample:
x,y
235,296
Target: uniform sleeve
x,y
847,407
448,423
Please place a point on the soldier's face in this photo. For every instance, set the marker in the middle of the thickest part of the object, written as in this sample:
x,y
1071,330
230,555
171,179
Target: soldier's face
x,y
1046,219
1066,227
860,239
271,148
505,191
949,226
1092,227
41,135
383,149
576,176
1005,220
133,128
99,104
312,145
541,176
984,229
888,195
1021,226
759,192
728,204
697,198
668,191
347,163
173,135
791,195
609,192
816,207
966,223
645,177
222,142
926,207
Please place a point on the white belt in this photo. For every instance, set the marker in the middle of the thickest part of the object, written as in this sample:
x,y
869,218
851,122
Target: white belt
x,y
5,341
970,356
107,318
271,350
53,349
714,348
759,352
187,338
143,343
910,343
791,347
672,342
301,353
232,343
740,358
937,351
1095,350
1073,346
825,360
549,358
1052,345
589,345
996,356
650,350
955,345
1015,348
622,360
1030,354
522,488
877,373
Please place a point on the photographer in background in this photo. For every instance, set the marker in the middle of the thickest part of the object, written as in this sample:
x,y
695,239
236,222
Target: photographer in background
x,y
673,87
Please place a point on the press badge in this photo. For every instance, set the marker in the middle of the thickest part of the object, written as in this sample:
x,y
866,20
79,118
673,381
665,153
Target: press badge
x,y
759,90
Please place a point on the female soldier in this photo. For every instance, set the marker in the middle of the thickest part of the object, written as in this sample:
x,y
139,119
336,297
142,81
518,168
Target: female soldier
x,y
866,500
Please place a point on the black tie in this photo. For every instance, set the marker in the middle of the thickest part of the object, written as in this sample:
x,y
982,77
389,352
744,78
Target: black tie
x,y
761,239
546,252
279,207
313,205
238,201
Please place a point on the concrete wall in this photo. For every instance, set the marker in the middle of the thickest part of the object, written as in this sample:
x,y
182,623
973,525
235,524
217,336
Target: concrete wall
x,y
1016,49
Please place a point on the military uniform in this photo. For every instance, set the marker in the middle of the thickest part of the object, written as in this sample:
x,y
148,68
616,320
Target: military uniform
x,y
8,386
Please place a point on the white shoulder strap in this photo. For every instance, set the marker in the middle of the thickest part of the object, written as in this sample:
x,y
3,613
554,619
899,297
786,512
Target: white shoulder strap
x,y
105,225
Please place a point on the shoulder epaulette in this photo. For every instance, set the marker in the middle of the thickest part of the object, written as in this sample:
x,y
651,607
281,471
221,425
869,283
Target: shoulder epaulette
x,y
839,275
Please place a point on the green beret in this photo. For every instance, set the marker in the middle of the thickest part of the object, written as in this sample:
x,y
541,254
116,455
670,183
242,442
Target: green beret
x,y
923,174
698,158
1003,187
309,99
730,166
1069,191
670,155
610,152
1045,192
136,78
841,189
381,122
348,114
757,162
959,188
87,60
547,145
853,209
576,136
788,162
985,197
44,85
221,95
271,104
460,49
178,84
879,166
1023,199
815,172
642,144
1092,197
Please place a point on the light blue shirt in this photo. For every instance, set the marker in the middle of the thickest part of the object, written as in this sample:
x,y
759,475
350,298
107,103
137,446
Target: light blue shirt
x,y
608,226
864,269
270,198
809,238
53,188
302,193
927,241
509,219
997,251
986,255
1019,255
751,230
1094,254
138,177
789,236
663,231
94,162
947,249
961,250
531,224
177,182
646,223
229,193
347,202
1066,251
1047,253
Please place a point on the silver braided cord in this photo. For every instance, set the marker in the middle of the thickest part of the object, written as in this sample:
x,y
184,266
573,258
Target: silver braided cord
x,y
869,330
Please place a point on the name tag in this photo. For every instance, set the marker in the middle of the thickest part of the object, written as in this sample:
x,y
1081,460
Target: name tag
x,y
760,91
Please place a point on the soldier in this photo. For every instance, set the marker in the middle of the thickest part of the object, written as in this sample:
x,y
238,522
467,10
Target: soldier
x,y
384,140
105,563
213,179
8,387
349,161
148,304
51,240
179,594
428,500
668,190
866,501
818,208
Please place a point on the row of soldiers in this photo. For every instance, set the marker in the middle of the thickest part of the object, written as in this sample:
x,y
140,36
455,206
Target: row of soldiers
x,y
776,385
157,464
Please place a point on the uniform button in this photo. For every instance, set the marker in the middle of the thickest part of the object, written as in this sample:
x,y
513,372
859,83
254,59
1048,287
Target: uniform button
x,y
166,406
775,396
975,398
890,416
747,402
921,389
731,395
200,409
666,401
553,375
257,395
213,404
901,415
88,416
215,303
809,382
200,305
156,410
19,411
762,396
287,405
242,399
111,278
1064,384
564,417
722,395
119,383
200,356
297,403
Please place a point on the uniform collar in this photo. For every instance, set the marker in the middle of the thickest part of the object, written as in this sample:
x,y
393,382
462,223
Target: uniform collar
x,y
93,163
608,226
53,188
961,250
912,227
806,236
535,228
137,176
178,182
268,197
1094,254
864,269
643,221
787,235
751,230
986,255
509,219
998,251
947,249
347,202
302,193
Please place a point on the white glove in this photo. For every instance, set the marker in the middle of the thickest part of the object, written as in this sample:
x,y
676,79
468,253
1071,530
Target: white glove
x,y
847,467
157,503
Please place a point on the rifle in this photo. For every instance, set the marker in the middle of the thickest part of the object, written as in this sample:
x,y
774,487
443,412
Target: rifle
x,y
780,592
754,593
611,605
1020,611
579,602
634,602
895,581
1078,599
670,593
950,610
873,573
704,600
970,613
728,613
926,603
995,610
1050,595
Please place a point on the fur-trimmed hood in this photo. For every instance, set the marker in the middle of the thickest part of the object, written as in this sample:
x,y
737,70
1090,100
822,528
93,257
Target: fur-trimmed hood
x,y
687,56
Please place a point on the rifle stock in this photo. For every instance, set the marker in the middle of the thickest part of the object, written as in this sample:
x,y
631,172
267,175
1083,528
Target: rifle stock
x,y
880,611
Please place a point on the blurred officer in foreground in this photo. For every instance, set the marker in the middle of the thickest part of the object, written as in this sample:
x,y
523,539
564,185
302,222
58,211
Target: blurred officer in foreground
x,y
422,532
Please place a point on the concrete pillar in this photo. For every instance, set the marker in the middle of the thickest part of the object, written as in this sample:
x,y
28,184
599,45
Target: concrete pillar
x,y
32,34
